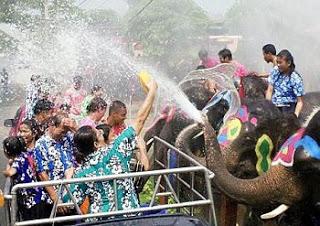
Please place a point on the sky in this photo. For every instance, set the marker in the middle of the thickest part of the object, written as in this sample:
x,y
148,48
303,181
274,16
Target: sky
x,y
214,7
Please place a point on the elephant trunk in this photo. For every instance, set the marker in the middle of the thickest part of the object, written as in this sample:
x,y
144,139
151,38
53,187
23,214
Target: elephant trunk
x,y
185,139
278,185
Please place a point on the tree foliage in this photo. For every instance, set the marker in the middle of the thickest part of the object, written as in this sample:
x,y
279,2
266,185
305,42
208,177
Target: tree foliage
x,y
167,29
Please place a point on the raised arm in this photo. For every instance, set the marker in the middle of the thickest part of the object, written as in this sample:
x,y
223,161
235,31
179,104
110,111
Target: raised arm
x,y
145,109
269,92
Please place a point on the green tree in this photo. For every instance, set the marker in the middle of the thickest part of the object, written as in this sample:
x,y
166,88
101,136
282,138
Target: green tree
x,y
168,29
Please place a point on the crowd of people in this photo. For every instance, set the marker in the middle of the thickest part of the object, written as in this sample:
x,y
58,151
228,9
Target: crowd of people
x,y
74,138
70,136
285,84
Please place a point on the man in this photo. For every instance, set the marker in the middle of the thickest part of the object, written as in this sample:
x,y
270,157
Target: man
x,y
95,110
117,116
75,95
43,110
225,57
53,153
206,61
270,56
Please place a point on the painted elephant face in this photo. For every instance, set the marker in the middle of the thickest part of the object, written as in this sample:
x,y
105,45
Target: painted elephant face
x,y
248,140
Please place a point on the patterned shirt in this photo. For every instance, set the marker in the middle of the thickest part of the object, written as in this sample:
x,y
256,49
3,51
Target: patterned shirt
x,y
286,88
54,157
110,160
26,174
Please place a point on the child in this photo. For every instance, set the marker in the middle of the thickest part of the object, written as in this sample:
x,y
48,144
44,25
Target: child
x,y
33,203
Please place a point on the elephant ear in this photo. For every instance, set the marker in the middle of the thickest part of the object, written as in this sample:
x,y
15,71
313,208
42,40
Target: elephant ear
x,y
263,150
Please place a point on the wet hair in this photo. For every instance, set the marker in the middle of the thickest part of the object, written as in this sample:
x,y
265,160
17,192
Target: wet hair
x,y
203,53
106,130
95,104
269,48
13,146
84,140
287,56
42,105
33,126
65,107
77,79
200,67
57,119
115,106
224,53
95,88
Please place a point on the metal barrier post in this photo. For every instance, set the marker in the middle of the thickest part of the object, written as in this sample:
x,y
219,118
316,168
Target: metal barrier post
x,y
14,207
210,196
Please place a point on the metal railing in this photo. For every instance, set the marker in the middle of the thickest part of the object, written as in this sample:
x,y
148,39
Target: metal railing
x,y
159,175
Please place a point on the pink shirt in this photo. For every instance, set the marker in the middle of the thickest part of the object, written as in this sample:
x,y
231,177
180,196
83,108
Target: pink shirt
x,y
241,71
87,122
74,98
209,63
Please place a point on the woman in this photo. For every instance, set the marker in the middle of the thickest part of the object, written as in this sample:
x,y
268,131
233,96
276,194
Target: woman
x,y
114,159
29,132
33,203
285,87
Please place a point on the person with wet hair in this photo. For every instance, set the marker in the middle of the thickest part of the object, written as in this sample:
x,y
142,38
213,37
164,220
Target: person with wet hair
x,y
113,159
225,57
33,203
205,60
270,56
96,110
286,89
53,154
103,135
117,116
96,91
43,110
75,95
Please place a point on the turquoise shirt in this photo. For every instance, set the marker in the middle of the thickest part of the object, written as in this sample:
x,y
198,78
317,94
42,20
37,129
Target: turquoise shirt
x,y
111,160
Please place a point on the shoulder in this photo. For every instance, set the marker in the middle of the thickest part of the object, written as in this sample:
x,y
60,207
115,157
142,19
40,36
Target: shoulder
x,y
295,75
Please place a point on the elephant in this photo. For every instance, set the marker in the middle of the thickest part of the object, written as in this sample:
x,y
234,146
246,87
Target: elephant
x,y
295,186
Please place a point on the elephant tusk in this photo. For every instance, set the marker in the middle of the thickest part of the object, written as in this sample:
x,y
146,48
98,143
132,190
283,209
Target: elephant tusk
x,y
274,213
198,135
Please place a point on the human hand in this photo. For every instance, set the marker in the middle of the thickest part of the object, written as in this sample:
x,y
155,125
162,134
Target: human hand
x,y
152,85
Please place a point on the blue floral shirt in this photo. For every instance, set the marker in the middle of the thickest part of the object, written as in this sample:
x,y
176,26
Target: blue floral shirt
x,y
286,88
26,174
107,161
54,157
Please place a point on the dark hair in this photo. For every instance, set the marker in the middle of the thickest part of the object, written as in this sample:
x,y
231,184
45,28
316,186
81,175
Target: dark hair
x,y
200,67
224,53
106,130
203,53
115,106
77,79
269,48
42,105
95,88
84,140
65,107
57,119
13,146
95,104
287,56
33,126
